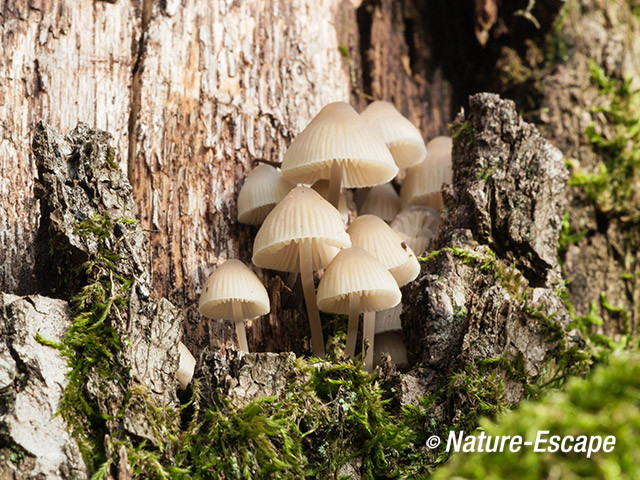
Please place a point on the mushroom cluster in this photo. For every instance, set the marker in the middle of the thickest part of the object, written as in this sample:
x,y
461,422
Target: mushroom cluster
x,y
304,229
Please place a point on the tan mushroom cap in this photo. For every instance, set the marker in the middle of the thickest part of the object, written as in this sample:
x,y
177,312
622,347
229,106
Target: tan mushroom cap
x,y
389,320
392,344
322,187
186,366
376,237
355,271
232,282
382,201
401,136
417,227
302,215
339,134
263,188
423,182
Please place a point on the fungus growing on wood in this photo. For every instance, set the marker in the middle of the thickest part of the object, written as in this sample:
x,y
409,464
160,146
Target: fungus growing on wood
x,y
302,234
389,320
356,282
382,201
401,136
234,292
417,227
263,188
186,366
376,237
339,146
392,344
423,183
322,187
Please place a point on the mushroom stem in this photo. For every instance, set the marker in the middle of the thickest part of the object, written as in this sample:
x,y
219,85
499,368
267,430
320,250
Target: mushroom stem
x,y
306,276
352,328
369,331
239,321
335,182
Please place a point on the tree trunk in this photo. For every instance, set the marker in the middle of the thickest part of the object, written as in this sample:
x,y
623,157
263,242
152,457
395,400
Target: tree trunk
x,y
198,94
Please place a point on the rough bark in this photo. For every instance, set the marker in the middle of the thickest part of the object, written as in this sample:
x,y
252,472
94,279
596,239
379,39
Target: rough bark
x,y
79,180
609,34
487,295
34,441
64,63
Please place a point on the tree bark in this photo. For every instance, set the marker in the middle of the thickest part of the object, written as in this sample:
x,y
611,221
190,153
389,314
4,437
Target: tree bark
x,y
194,95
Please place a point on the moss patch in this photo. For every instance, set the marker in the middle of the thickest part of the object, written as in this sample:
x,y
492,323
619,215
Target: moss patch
x,y
614,186
606,403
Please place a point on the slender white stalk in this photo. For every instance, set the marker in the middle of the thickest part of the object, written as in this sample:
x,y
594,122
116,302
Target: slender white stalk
x,y
352,328
306,276
368,334
239,321
335,183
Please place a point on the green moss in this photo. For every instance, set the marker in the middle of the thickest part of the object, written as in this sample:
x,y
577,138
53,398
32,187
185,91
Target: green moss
x,y
607,403
613,186
91,344
567,236
463,128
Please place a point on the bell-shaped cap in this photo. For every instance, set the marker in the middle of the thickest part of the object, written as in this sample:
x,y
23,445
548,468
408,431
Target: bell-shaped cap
x,y
392,344
423,183
339,134
389,320
233,282
356,272
376,237
417,227
186,366
382,201
263,188
303,215
401,136
322,187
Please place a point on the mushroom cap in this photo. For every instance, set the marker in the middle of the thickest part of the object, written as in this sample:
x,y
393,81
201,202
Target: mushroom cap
x,y
393,345
339,134
417,227
186,366
389,320
262,190
232,282
423,182
382,201
322,187
303,215
355,271
376,237
401,136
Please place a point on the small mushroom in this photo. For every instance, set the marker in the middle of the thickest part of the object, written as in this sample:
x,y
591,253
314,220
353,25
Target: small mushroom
x,y
234,292
356,282
262,190
186,366
376,237
339,146
417,227
389,320
401,136
392,344
423,183
382,201
302,234
322,187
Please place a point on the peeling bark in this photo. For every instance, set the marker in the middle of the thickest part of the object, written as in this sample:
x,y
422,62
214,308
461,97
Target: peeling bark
x,y
34,441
